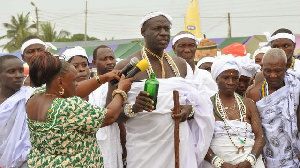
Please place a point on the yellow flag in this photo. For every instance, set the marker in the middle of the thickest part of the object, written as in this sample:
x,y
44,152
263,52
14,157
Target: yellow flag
x,y
192,19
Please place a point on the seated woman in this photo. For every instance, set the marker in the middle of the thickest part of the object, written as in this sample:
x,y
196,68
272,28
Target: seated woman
x,y
63,126
238,136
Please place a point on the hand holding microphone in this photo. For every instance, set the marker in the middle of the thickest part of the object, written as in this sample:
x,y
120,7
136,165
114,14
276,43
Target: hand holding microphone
x,y
140,66
124,71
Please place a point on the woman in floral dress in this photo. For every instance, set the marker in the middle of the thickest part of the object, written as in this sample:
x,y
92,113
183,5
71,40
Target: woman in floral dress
x,y
63,126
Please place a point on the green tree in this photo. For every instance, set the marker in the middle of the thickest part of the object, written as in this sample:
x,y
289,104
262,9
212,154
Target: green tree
x,y
77,37
49,34
17,30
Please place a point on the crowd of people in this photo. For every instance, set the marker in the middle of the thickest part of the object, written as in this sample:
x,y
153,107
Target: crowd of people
x,y
235,111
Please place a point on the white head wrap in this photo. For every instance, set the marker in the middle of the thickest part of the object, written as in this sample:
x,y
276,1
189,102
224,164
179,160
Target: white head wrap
x,y
222,64
186,35
262,50
155,14
204,60
247,66
275,37
30,42
282,35
71,52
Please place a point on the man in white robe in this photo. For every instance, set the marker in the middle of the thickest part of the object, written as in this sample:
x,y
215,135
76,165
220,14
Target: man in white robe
x,y
14,134
185,46
277,100
108,137
150,133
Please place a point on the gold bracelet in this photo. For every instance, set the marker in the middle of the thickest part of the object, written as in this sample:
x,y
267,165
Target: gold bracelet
x,y
121,92
98,79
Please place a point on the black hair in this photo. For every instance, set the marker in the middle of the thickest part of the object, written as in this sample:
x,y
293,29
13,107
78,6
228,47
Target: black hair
x,y
282,30
43,69
4,58
96,49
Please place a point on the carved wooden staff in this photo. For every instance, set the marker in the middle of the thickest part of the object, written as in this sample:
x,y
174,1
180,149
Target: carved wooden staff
x,y
176,128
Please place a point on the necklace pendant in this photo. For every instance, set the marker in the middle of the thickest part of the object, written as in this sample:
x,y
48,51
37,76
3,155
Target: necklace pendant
x,y
240,148
242,141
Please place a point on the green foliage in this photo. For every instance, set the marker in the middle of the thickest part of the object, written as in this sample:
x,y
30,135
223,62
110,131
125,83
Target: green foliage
x,y
49,34
17,30
77,37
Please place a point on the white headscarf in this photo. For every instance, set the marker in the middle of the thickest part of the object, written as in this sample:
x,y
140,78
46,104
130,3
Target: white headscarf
x,y
30,42
262,50
223,63
275,37
186,35
47,45
71,52
155,14
247,66
204,60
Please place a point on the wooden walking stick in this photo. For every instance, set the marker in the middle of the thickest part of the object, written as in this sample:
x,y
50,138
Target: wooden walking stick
x,y
176,127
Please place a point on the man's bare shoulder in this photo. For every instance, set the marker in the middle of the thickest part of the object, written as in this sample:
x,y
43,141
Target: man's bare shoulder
x,y
254,92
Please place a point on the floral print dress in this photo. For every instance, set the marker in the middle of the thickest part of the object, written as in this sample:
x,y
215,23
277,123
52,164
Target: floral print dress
x,y
68,136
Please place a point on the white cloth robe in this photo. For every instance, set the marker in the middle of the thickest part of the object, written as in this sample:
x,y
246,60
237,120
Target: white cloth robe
x,y
108,138
150,135
15,138
279,120
206,82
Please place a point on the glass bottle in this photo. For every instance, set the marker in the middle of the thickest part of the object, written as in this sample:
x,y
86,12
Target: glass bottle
x,y
151,86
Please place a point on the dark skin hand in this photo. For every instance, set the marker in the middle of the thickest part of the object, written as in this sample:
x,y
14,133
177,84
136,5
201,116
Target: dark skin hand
x,y
185,111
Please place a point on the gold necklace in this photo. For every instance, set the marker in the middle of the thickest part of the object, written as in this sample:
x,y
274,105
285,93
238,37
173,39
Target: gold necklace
x,y
292,64
168,58
161,61
51,94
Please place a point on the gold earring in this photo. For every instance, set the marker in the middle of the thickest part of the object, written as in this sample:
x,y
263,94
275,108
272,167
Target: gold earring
x,y
62,91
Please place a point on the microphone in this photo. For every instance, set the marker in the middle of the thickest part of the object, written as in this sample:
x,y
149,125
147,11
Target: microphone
x,y
140,67
124,71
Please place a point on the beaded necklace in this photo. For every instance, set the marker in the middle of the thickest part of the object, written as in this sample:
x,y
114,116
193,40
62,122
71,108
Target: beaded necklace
x,y
223,115
264,89
165,55
293,62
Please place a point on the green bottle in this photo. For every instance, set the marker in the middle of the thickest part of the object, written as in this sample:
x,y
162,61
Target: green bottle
x,y
151,86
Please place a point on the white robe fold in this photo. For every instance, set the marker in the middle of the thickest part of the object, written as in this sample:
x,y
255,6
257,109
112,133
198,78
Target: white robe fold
x,y
150,135
14,137
224,148
108,138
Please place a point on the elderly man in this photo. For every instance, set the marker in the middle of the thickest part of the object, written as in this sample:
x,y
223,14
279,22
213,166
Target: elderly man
x,y
277,100
238,135
185,46
14,134
150,132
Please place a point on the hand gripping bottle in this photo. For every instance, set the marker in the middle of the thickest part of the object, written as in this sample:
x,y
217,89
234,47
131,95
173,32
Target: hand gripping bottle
x,y
151,86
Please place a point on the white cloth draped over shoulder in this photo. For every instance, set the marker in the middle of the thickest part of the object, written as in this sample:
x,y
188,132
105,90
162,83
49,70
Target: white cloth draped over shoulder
x,y
279,120
108,138
223,147
150,135
14,134
205,81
